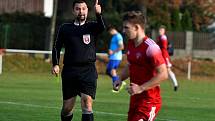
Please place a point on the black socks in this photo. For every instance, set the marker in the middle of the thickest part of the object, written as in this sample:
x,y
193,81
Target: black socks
x,y
66,118
87,117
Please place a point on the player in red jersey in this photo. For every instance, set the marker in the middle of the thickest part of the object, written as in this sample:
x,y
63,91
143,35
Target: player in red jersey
x,y
163,44
146,69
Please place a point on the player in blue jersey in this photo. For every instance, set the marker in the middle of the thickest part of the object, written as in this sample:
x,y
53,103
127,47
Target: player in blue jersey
x,y
115,54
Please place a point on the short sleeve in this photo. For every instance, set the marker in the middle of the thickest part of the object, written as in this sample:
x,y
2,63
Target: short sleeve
x,y
154,54
164,38
119,39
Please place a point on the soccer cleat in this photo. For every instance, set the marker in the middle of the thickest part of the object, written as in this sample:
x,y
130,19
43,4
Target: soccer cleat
x,y
114,91
115,88
175,88
122,86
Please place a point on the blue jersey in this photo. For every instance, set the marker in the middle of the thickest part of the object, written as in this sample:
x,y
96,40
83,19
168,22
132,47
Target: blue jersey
x,y
115,43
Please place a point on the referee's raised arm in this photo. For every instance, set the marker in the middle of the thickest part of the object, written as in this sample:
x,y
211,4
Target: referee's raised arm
x,y
98,9
100,22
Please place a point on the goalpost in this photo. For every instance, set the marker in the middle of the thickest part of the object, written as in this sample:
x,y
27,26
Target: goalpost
x,y
3,51
1,59
0,63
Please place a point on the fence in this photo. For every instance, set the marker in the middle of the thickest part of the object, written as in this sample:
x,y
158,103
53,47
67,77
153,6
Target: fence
x,y
203,41
7,52
195,44
178,39
23,36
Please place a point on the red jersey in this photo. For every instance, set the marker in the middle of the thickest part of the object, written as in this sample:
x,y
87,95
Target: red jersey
x,y
163,44
143,61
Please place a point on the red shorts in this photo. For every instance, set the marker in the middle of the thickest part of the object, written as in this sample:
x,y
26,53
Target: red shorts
x,y
145,112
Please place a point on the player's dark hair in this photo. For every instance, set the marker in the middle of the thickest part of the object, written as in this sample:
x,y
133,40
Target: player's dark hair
x,y
78,1
135,17
162,27
110,27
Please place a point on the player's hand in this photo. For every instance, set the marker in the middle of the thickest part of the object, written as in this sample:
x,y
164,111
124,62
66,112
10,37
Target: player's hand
x,y
116,85
134,89
56,70
168,63
98,8
110,52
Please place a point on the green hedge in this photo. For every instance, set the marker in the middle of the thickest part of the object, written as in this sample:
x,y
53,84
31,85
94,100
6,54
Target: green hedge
x,y
24,31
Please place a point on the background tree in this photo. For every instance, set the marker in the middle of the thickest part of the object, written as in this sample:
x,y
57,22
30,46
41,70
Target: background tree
x,y
186,21
202,12
176,20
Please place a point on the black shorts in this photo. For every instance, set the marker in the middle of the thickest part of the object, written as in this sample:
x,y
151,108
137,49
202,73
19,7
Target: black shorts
x,y
79,79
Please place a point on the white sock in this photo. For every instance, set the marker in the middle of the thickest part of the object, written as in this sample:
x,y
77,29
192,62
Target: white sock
x,y
173,78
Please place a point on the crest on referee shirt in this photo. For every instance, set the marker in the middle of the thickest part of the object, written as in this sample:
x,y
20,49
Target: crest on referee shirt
x,y
86,39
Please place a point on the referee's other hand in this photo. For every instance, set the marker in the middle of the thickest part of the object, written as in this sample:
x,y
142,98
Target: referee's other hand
x,y
56,70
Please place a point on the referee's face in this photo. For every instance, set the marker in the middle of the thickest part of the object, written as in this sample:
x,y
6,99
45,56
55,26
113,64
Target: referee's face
x,y
80,11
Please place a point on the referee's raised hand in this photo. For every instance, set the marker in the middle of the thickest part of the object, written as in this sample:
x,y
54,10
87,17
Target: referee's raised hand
x,y
98,8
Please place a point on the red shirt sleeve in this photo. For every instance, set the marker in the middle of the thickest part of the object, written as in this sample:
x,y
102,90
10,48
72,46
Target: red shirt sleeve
x,y
155,55
163,45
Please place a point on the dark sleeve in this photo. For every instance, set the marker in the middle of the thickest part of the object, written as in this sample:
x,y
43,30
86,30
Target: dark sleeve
x,y
99,24
58,43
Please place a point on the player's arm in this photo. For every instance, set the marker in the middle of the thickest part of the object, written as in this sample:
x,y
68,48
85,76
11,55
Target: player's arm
x,y
155,81
121,47
164,50
164,42
58,43
164,46
125,73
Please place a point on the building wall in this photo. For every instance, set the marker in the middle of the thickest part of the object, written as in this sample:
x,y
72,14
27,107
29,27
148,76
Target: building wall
x,y
27,6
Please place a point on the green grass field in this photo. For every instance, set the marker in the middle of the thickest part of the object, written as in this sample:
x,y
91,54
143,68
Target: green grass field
x,y
37,97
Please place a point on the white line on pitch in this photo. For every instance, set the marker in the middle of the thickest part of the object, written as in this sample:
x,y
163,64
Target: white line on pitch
x,y
190,98
51,107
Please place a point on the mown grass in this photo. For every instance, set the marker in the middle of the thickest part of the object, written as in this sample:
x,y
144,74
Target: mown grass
x,y
28,92
37,97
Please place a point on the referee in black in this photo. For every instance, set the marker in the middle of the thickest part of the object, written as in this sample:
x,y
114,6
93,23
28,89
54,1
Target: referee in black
x,y
79,76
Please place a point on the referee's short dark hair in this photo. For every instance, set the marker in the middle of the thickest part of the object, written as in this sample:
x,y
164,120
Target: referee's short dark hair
x,y
135,17
78,1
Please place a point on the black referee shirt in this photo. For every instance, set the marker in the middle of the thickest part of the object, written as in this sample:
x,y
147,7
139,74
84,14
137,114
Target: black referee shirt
x,y
79,42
